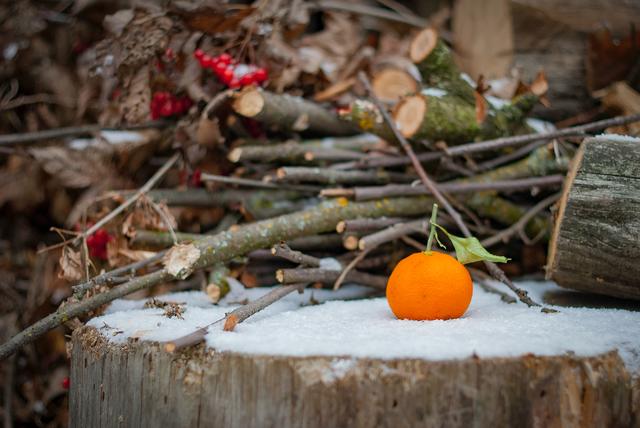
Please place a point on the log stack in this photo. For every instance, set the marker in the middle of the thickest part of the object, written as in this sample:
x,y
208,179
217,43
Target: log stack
x,y
595,243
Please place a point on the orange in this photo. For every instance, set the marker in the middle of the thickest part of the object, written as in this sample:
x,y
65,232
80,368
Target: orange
x,y
429,287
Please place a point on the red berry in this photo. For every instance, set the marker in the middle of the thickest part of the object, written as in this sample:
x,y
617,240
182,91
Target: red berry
x,y
166,109
97,244
198,53
66,383
247,79
205,62
196,178
260,75
220,68
225,58
169,54
227,75
234,83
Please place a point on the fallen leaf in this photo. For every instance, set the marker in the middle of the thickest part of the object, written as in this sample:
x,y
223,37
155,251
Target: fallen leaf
x,y
70,264
230,323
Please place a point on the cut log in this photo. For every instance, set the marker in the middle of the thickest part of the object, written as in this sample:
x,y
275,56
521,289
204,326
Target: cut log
x,y
289,113
390,84
444,117
594,246
437,66
141,385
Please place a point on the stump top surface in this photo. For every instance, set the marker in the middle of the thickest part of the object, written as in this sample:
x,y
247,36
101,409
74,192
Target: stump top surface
x,y
368,329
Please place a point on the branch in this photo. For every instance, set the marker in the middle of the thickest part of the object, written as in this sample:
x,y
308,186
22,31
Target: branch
x,y
73,131
326,276
282,250
331,176
238,315
376,239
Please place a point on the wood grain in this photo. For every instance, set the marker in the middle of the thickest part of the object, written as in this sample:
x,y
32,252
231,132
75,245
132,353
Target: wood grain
x,y
139,385
595,243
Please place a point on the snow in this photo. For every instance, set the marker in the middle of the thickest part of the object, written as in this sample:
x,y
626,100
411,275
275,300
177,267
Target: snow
x,y
620,138
367,328
434,92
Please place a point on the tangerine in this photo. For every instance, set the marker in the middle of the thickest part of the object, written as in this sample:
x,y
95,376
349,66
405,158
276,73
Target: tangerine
x,y
429,286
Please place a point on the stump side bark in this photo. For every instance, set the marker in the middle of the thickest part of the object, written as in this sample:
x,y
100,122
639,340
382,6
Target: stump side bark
x,y
595,244
140,385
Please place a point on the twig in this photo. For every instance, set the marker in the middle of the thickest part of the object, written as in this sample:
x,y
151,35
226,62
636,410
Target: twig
x,y
326,276
256,183
499,143
367,224
348,268
331,176
519,226
292,152
487,145
377,192
376,239
282,250
495,271
516,154
49,134
482,279
240,314
131,200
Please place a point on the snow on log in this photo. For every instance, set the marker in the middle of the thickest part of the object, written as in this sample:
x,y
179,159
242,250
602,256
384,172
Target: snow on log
x,y
594,246
351,363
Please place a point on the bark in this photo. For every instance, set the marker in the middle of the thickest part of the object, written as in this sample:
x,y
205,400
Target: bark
x,y
445,117
299,174
291,152
141,385
594,245
289,113
310,275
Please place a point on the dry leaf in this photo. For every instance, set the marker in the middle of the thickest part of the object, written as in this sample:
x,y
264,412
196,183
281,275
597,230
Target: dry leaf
x,y
148,215
136,102
70,264
180,260
117,22
73,168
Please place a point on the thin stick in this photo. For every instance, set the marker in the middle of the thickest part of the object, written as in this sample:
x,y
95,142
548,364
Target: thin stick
x,y
282,250
326,276
495,271
483,281
348,268
505,234
126,204
487,145
256,183
376,239
376,12
240,314
49,134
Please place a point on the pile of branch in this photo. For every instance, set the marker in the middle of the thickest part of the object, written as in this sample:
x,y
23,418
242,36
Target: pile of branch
x,y
317,197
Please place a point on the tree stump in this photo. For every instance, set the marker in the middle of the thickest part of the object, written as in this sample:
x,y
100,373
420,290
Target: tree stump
x,y
141,385
594,246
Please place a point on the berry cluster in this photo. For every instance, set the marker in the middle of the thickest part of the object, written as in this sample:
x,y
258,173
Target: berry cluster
x,y
229,72
97,244
165,104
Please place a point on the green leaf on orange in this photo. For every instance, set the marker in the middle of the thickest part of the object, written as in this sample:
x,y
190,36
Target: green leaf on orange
x,y
470,250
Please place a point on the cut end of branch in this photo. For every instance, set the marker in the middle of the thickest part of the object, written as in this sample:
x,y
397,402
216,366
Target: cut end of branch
x,y
341,226
409,114
281,173
422,44
235,155
390,84
249,102
230,323
350,242
280,276
170,347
